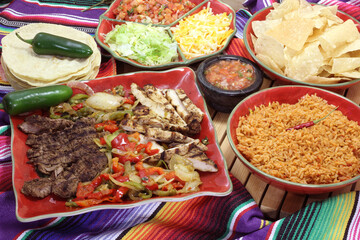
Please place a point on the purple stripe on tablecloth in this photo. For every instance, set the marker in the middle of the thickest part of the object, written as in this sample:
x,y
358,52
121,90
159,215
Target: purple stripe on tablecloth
x,y
105,224
9,225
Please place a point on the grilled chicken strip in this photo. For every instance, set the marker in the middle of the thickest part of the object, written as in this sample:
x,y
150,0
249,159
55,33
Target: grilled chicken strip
x,y
191,112
191,151
157,104
195,112
160,135
200,161
156,95
139,123
131,125
174,99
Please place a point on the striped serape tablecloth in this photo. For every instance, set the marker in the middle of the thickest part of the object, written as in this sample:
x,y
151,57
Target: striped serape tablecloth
x,y
235,216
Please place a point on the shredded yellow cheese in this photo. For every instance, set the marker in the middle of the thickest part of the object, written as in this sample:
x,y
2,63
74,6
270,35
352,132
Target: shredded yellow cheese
x,y
202,33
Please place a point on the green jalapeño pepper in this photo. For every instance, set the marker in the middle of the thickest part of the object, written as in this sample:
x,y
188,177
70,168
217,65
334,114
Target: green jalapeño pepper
x,y
48,44
35,98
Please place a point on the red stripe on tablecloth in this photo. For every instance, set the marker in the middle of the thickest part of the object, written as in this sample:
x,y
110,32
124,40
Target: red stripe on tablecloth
x,y
237,47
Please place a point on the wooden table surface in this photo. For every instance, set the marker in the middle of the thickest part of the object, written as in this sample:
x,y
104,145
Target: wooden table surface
x,y
275,203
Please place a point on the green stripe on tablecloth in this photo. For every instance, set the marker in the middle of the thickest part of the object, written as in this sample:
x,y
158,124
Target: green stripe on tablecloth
x,y
326,220
328,226
313,215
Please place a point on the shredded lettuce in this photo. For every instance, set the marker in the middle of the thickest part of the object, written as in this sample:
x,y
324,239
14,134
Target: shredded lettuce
x,y
145,44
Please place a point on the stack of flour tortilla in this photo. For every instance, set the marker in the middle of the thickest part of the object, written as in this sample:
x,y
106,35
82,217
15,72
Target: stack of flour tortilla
x,y
23,68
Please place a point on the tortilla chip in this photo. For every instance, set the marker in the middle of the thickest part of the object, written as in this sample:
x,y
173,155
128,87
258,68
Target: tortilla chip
x,y
260,27
322,80
343,64
268,46
293,33
309,43
269,62
346,48
281,9
351,74
307,63
338,35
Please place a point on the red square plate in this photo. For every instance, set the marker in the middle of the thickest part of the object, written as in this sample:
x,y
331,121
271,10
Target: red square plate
x,y
214,184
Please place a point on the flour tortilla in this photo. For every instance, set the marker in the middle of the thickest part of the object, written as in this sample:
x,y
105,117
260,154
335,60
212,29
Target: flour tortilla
x,y
21,60
17,84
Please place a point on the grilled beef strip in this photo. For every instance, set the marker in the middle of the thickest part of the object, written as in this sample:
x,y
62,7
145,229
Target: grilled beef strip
x,y
68,154
38,187
37,124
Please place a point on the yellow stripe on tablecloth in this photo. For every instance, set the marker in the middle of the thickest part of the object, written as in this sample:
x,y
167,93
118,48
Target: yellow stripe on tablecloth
x,y
341,215
165,214
345,213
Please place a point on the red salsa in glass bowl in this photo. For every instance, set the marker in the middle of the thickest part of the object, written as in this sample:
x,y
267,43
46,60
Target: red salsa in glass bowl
x,y
230,74
225,80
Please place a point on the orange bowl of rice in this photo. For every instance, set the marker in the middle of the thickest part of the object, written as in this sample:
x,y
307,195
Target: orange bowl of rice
x,y
298,138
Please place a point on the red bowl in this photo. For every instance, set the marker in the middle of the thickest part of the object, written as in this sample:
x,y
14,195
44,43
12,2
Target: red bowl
x,y
260,16
290,94
107,23
110,11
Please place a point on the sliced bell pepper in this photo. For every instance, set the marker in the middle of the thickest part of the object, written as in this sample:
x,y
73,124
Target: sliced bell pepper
x,y
101,194
83,190
88,202
120,192
78,106
108,125
150,151
116,167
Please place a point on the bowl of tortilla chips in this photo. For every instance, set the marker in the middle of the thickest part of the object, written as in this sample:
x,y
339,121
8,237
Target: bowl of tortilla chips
x,y
309,44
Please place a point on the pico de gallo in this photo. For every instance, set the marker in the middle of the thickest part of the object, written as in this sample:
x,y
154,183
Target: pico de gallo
x,y
153,11
230,74
127,177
